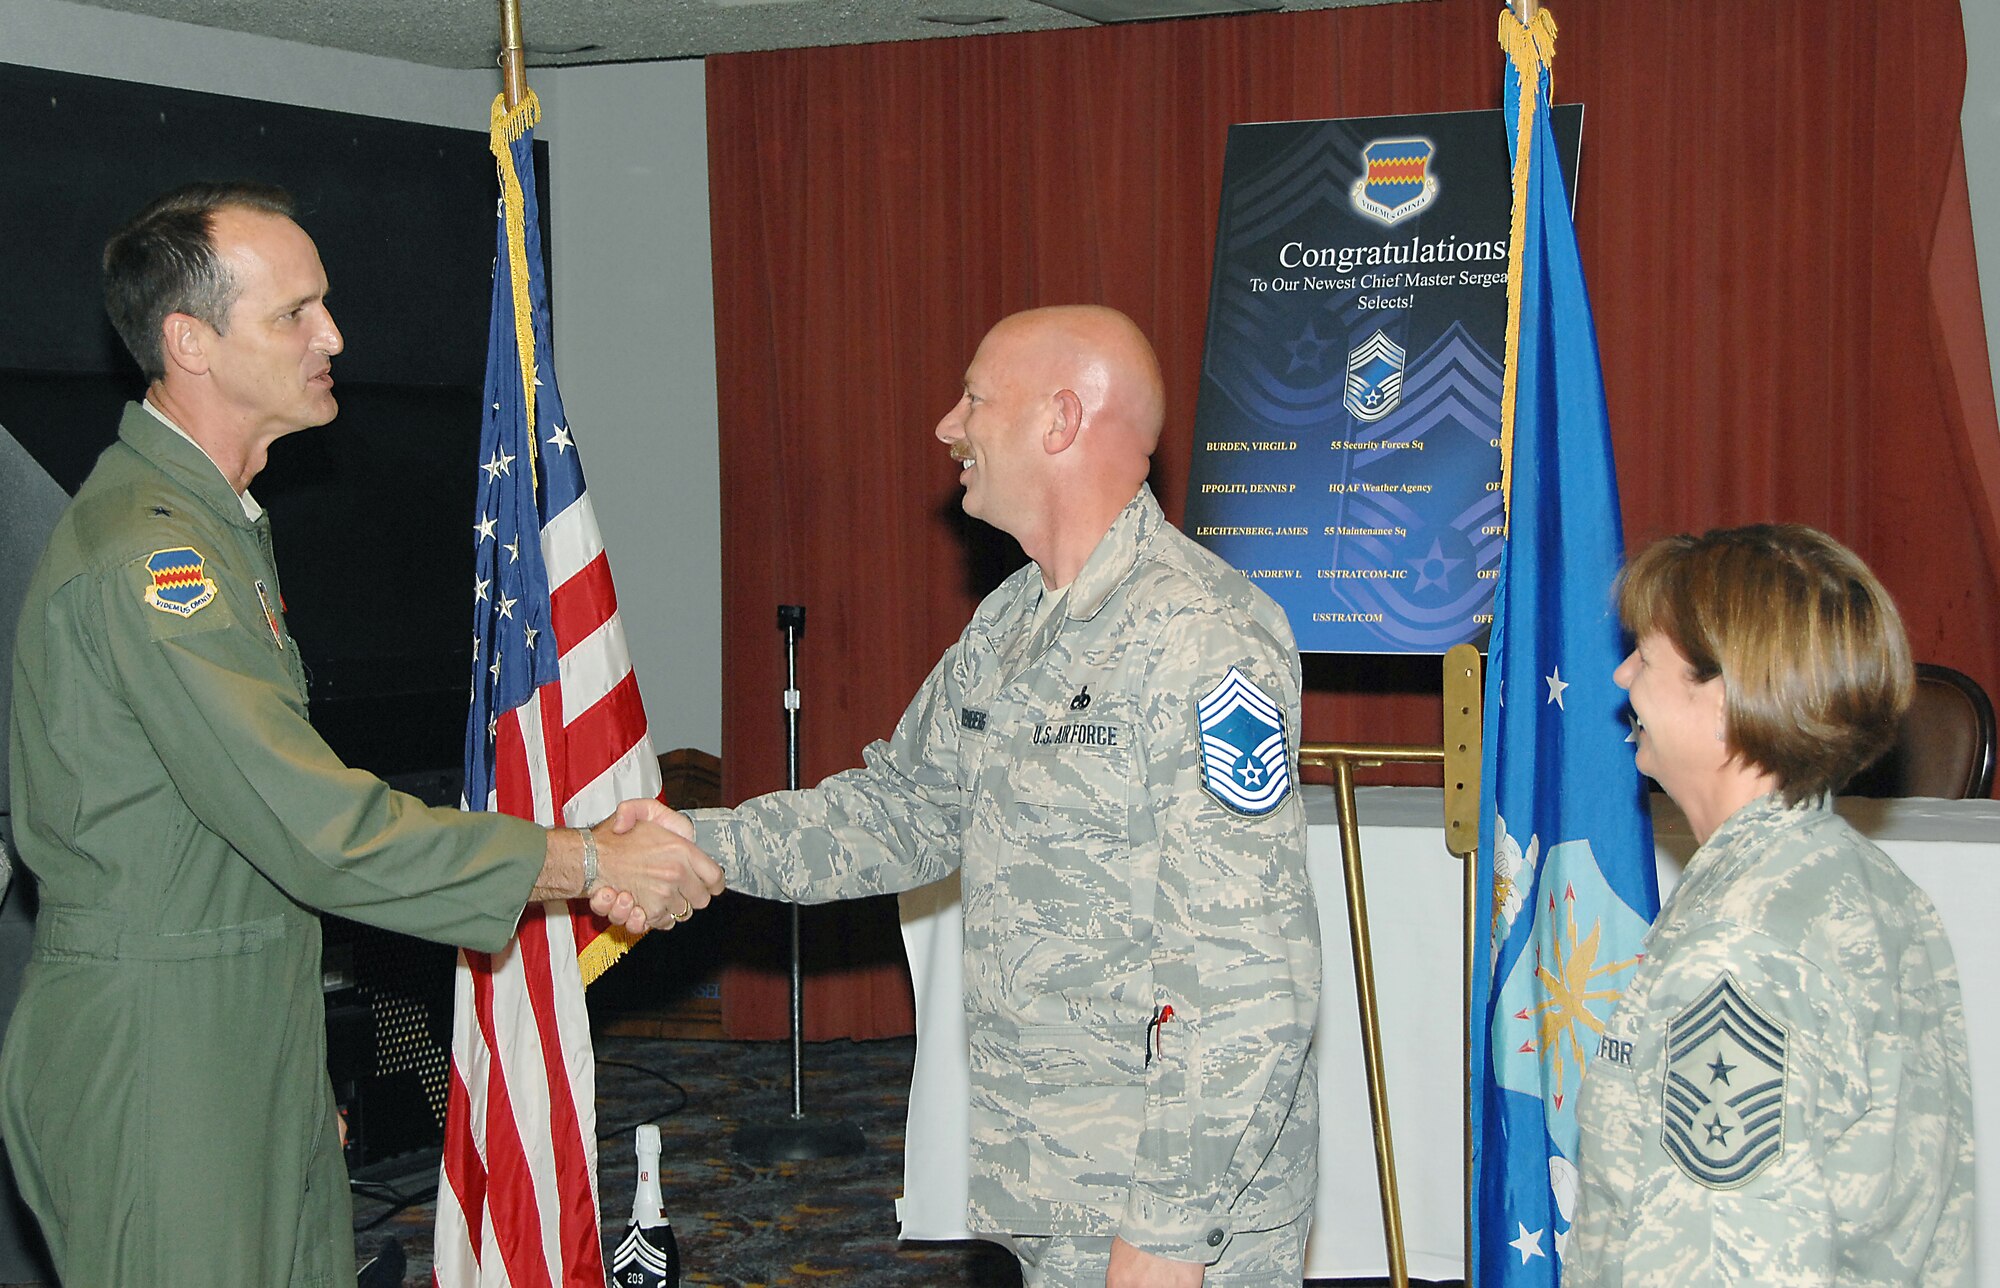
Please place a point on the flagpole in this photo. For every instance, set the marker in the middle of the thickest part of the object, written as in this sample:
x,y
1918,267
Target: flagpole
x,y
513,62
535,1087
1464,751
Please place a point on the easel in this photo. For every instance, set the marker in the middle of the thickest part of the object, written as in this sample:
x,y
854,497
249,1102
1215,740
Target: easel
x,y
1460,757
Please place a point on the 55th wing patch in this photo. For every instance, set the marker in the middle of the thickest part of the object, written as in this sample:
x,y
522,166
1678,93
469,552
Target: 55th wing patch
x,y
1243,757
181,585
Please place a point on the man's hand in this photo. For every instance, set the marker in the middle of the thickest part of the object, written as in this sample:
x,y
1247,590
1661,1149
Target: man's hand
x,y
634,812
663,874
1131,1268
619,908
648,876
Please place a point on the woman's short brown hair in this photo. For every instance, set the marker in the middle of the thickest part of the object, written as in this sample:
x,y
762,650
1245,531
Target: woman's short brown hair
x,y
1815,666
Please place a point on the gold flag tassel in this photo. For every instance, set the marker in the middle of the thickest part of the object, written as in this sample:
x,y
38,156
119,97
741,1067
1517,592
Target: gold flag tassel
x,y
508,128
603,952
1531,47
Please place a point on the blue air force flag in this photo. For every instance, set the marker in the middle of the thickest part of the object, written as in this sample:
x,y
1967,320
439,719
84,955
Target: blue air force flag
x,y
1566,853
1243,761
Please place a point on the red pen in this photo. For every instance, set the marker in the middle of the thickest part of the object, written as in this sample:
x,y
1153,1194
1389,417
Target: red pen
x,y
1155,1031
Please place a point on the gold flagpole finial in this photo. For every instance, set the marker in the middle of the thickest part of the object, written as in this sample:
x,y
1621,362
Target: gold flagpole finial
x,y
513,59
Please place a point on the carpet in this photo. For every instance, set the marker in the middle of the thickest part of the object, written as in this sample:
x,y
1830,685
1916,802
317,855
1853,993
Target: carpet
x,y
742,1224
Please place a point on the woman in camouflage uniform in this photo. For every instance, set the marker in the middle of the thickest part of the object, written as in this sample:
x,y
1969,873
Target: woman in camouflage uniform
x,y
1782,1095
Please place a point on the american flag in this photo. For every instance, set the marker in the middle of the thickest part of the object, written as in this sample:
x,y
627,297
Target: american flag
x,y
556,733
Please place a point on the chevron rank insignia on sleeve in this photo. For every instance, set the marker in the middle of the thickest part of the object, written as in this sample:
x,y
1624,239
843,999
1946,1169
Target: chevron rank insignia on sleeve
x,y
1243,755
1723,1100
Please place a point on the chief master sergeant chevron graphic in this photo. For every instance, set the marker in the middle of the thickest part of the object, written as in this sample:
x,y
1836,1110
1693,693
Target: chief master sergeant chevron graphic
x,y
1243,758
1374,378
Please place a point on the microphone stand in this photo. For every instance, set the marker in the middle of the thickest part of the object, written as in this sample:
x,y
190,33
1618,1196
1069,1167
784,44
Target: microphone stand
x,y
797,1137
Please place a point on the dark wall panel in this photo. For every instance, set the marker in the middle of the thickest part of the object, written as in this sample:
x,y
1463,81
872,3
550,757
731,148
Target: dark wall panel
x,y
372,514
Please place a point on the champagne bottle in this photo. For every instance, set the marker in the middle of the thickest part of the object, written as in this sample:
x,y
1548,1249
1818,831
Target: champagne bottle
x,y
648,1257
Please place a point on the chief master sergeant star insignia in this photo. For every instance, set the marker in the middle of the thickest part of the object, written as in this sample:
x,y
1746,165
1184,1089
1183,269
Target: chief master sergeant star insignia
x,y
1720,1033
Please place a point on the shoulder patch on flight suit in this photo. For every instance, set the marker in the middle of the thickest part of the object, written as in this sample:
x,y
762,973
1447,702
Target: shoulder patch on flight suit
x,y
181,585
1723,1099
1243,756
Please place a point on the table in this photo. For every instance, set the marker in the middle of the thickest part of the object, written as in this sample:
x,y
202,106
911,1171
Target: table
x,y
1950,848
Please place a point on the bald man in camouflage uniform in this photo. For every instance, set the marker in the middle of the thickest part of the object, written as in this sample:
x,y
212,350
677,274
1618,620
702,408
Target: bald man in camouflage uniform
x,y
1109,753
1782,1095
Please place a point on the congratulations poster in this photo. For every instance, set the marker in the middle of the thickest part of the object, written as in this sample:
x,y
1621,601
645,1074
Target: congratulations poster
x,y
1346,452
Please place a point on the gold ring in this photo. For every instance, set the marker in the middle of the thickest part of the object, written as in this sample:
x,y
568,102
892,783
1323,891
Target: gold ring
x,y
687,910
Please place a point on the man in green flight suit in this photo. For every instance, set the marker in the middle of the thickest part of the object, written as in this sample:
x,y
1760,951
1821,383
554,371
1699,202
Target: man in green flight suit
x,y
163,1086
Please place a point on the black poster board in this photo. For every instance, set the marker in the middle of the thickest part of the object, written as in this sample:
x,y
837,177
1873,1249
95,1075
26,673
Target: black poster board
x,y
1346,447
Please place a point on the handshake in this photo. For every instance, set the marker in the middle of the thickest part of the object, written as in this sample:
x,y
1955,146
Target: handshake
x,y
650,873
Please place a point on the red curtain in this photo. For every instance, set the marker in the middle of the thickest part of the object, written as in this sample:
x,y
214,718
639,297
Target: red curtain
x,y
1773,216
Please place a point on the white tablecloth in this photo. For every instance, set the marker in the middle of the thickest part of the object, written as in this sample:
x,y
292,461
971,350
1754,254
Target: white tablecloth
x,y
1950,848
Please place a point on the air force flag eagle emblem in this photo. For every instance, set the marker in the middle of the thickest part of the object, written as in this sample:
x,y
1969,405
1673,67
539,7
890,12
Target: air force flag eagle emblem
x,y
1244,760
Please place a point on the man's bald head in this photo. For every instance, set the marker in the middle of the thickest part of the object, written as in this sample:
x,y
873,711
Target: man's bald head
x,y
1100,355
1055,433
